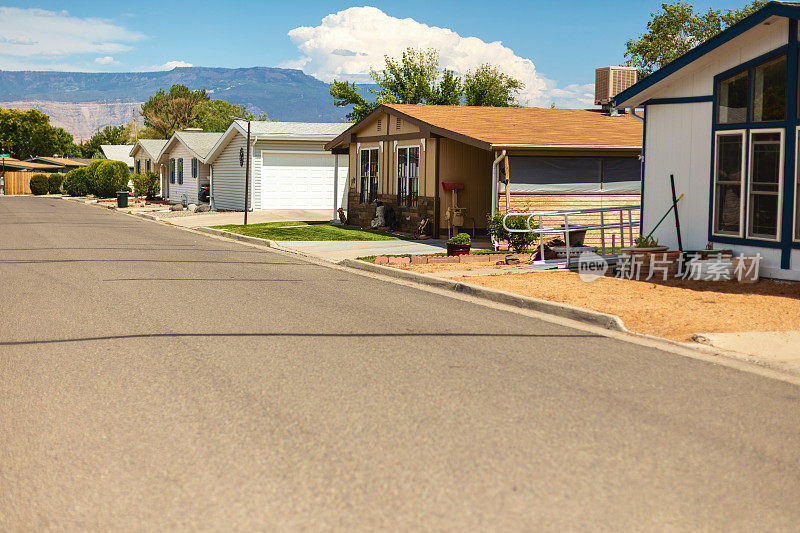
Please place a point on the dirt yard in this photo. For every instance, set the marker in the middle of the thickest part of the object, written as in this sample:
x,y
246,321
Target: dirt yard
x,y
674,309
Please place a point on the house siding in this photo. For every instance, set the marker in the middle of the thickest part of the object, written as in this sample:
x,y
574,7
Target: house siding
x,y
190,186
228,182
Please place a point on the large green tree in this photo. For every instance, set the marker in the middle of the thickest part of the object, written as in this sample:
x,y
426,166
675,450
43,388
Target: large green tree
x,y
676,29
487,86
108,135
169,111
416,78
26,134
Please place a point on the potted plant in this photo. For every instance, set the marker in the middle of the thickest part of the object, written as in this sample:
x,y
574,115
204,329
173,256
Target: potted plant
x,y
647,243
648,252
459,245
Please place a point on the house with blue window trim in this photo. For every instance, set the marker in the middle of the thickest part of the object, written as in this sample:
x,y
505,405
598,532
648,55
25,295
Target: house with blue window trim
x,y
182,158
723,119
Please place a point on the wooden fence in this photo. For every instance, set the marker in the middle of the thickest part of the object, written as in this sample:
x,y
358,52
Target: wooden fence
x,y
18,182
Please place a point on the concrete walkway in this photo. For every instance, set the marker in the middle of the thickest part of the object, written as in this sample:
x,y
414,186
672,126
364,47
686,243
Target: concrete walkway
x,y
775,348
339,250
256,217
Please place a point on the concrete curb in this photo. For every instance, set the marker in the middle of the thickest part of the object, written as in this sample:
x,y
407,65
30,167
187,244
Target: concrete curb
x,y
236,236
586,316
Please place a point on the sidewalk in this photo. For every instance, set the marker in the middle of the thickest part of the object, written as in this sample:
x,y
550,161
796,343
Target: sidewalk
x,y
340,250
775,348
217,218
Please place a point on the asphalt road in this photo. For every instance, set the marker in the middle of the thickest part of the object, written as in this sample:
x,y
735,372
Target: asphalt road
x,y
156,379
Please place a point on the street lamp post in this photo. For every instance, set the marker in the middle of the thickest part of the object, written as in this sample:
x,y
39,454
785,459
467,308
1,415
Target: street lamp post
x,y
247,169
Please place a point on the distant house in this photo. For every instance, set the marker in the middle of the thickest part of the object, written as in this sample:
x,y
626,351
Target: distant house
x,y
723,120
289,169
63,164
411,157
145,158
15,165
182,157
118,152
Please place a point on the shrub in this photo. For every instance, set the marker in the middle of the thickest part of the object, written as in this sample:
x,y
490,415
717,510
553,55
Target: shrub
x,y
110,177
39,184
147,184
519,242
76,182
54,183
645,242
461,238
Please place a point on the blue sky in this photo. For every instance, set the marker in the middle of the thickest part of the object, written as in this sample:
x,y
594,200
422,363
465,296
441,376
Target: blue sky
x,y
553,46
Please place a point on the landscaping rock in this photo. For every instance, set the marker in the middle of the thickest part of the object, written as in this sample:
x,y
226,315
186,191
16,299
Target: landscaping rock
x,y
192,208
176,207
381,260
444,259
399,260
202,208
419,260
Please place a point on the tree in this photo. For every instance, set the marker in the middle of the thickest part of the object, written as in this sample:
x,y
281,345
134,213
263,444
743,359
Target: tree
x,y
416,78
216,115
168,112
26,134
108,135
487,86
676,29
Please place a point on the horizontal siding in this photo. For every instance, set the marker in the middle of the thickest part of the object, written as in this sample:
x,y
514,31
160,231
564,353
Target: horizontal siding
x,y
190,186
228,185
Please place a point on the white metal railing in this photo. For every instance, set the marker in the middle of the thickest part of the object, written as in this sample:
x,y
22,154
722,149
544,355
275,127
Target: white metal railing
x,y
567,228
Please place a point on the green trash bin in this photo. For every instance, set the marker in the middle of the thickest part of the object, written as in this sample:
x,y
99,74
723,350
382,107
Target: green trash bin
x,y
122,199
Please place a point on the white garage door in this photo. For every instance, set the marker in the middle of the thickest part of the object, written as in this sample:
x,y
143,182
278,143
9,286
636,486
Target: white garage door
x,y
300,181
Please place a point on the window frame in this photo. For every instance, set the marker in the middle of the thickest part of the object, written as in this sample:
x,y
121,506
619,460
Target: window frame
x,y
367,199
407,178
138,166
195,170
172,170
147,165
180,171
742,133
781,177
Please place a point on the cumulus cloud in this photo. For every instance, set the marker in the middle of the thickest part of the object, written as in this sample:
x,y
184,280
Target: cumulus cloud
x,y
169,65
347,44
39,33
107,60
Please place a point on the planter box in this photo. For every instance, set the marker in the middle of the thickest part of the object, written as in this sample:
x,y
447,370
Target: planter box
x,y
458,249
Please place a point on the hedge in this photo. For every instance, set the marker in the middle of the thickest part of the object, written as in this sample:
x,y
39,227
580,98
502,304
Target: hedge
x,y
38,184
76,182
110,177
54,183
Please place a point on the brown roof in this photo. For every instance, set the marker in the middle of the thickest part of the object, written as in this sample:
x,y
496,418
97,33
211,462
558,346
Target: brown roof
x,y
62,161
16,163
520,126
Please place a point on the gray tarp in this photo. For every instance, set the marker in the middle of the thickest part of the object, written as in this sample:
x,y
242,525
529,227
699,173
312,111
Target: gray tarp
x,y
574,174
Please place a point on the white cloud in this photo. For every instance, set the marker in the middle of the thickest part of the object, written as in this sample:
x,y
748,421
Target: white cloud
x,y
347,44
37,34
573,94
169,65
107,60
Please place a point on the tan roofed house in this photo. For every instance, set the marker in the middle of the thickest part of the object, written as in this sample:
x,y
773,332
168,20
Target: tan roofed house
x,y
410,157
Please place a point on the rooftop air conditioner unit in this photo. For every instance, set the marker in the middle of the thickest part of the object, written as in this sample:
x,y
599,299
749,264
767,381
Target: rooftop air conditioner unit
x,y
610,81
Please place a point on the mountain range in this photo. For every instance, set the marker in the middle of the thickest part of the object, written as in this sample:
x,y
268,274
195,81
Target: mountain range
x,y
83,102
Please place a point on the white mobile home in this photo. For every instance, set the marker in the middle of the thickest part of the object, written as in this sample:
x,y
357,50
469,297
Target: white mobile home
x,y
289,167
145,157
724,120
182,157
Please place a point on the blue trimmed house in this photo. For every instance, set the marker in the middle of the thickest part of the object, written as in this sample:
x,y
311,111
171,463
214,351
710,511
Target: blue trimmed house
x,y
724,120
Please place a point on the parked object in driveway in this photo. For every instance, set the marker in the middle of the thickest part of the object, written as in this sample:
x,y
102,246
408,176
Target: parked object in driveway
x,y
204,194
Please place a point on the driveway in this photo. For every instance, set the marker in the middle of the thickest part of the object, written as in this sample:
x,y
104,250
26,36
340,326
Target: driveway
x,y
256,217
157,379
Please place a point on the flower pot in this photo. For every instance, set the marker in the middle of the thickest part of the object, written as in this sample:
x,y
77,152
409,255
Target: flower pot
x,y
458,249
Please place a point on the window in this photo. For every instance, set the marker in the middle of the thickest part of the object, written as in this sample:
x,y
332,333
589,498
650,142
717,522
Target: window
x,y
172,170
194,167
408,176
180,171
138,167
769,90
732,99
728,183
766,179
369,175
147,165
379,124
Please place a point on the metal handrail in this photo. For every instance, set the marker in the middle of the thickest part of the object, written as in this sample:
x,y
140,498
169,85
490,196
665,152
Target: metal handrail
x,y
566,229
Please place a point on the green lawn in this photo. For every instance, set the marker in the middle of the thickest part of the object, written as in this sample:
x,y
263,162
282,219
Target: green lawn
x,y
308,231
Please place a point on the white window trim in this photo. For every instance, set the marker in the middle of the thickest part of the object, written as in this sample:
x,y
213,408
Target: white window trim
x,y
742,191
420,167
358,180
780,183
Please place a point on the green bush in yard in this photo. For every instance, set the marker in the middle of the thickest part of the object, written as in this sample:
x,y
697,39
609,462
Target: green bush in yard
x,y
146,184
38,184
462,239
519,242
76,182
54,183
110,177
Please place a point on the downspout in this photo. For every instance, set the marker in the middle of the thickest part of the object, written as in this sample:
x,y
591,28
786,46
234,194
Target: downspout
x,y
495,179
632,112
